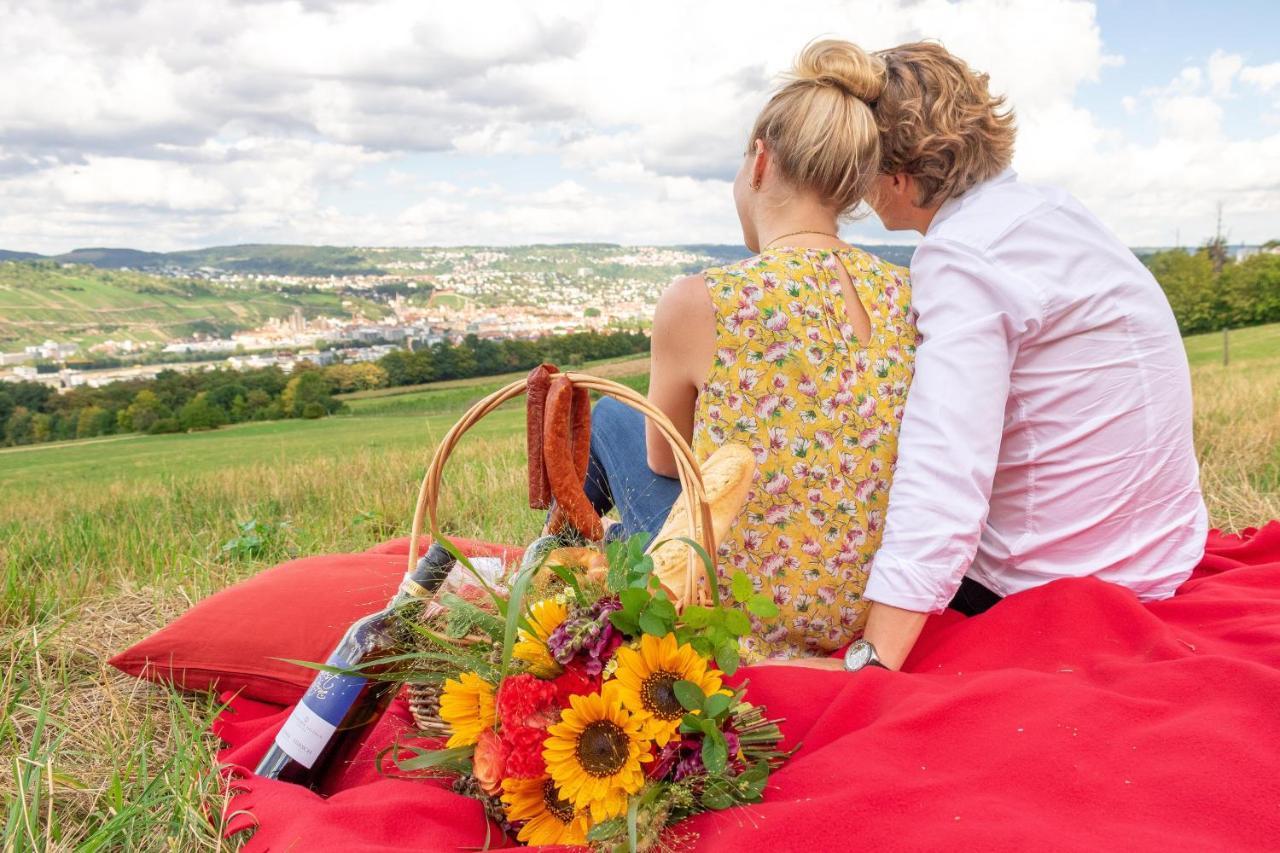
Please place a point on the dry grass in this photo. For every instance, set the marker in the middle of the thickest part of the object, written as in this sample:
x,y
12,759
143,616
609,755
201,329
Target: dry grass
x,y
1238,438
97,760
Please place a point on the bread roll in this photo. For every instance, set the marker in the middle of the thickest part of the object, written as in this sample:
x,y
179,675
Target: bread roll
x,y
726,477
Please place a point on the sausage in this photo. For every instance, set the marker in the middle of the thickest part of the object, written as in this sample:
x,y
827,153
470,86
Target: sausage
x,y
561,462
535,408
580,440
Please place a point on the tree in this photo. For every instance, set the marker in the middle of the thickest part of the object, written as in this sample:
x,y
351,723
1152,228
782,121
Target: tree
x,y
19,428
1188,281
144,411
199,414
308,387
1250,291
41,427
94,421
355,377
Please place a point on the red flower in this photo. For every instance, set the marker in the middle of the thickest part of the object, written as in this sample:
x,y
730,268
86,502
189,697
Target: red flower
x,y
526,700
524,752
574,681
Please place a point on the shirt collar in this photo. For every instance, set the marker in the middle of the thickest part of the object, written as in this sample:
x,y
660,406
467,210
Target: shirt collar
x,y
951,205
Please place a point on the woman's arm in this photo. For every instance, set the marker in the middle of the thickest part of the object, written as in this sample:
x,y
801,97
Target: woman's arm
x,y
684,341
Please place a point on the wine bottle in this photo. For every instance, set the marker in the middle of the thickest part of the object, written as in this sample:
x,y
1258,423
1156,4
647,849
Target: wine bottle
x,y
328,725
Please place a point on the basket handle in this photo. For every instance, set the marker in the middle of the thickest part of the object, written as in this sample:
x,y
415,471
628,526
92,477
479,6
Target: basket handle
x,y
690,475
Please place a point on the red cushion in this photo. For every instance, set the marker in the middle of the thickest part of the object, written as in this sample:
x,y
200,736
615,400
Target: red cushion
x,y
233,639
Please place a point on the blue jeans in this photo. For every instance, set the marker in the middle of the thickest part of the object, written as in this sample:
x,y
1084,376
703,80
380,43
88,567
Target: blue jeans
x,y
619,474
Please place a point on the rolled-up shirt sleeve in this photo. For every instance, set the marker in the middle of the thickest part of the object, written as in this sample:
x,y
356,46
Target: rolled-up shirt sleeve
x,y
970,317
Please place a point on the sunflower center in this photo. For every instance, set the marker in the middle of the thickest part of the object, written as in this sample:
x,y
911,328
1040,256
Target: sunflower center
x,y
602,748
561,809
658,696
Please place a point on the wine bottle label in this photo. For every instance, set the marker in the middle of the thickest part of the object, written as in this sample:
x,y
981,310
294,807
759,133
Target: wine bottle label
x,y
318,715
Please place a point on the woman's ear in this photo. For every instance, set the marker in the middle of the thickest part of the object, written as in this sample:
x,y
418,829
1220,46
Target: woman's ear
x,y
759,163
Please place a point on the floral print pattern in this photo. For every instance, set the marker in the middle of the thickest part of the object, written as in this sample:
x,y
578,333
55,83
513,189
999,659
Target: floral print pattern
x,y
820,410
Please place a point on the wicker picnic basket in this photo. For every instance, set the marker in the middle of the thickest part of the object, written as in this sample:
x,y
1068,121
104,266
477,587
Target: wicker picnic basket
x,y
424,697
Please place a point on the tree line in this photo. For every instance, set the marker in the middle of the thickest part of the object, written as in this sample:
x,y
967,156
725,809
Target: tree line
x,y
31,412
1207,292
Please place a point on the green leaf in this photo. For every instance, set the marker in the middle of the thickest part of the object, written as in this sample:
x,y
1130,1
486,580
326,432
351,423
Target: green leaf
x,y
641,571
701,645
689,695
633,601
696,616
716,705
690,725
624,622
737,622
762,606
715,752
712,583
515,608
429,758
727,657
663,609
616,580
607,829
651,624
716,800
741,584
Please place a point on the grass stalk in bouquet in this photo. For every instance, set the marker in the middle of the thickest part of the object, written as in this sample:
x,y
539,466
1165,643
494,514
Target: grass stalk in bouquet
x,y
586,708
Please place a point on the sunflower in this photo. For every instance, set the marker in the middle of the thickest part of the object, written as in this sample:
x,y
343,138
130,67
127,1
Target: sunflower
x,y
545,616
594,753
467,706
549,819
646,678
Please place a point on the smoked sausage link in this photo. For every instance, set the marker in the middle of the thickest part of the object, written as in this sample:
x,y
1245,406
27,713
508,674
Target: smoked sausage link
x,y
535,409
561,457
580,439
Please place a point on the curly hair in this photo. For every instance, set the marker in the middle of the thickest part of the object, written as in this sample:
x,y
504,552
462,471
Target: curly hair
x,y
939,123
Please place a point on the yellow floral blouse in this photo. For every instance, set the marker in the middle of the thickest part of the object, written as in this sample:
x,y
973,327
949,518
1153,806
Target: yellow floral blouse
x,y
821,410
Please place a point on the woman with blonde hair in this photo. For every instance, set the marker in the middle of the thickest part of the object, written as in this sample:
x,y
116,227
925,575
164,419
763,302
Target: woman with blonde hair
x,y
803,353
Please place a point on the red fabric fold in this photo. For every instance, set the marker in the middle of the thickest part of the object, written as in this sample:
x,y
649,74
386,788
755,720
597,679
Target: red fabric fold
x,y
1069,717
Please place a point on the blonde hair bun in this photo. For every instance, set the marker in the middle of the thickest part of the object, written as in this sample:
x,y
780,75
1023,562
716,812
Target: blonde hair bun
x,y
842,64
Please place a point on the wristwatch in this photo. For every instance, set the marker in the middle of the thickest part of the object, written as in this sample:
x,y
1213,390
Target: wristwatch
x,y
861,654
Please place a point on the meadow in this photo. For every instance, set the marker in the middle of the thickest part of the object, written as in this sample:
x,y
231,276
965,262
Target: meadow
x,y
102,542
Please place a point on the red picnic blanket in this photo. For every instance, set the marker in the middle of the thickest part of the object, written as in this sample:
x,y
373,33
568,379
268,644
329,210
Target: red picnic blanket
x,y
1070,717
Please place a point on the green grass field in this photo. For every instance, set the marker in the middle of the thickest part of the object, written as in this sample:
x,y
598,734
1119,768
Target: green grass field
x,y
102,542
1258,342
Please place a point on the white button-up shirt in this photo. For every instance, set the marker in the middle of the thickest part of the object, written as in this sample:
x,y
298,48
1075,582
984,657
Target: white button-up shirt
x,y
1048,430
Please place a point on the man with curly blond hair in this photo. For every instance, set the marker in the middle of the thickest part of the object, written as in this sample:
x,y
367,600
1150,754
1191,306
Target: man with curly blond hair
x,y
1048,432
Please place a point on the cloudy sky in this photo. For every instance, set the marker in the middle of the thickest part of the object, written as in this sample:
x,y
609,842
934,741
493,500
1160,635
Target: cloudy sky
x,y
165,125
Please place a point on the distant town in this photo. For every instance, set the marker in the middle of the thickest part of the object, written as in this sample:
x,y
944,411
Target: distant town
x,y
96,316
407,300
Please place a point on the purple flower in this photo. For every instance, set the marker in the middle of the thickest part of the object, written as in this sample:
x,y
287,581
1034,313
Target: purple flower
x,y
589,633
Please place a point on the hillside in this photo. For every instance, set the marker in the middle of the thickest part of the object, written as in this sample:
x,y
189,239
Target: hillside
x,y
297,260
42,299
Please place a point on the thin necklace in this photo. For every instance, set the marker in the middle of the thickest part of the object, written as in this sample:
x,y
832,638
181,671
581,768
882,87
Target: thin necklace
x,y
769,245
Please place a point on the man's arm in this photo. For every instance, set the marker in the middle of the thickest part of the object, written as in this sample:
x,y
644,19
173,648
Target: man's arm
x,y
949,444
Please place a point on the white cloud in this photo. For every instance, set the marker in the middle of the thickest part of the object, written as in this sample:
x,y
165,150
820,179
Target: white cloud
x,y
1265,77
163,124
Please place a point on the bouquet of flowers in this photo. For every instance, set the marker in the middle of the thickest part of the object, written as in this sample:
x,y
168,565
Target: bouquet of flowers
x,y
582,708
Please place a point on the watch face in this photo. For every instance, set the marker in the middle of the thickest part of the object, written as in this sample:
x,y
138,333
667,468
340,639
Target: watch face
x,y
858,656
